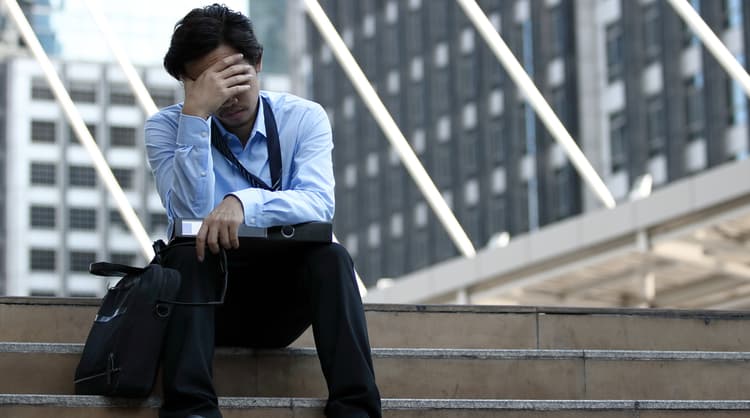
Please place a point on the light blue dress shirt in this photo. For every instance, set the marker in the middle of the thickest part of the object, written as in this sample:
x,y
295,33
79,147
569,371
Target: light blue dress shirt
x,y
192,177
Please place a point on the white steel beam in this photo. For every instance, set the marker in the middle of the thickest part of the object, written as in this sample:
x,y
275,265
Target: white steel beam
x,y
390,128
537,101
712,42
79,127
135,81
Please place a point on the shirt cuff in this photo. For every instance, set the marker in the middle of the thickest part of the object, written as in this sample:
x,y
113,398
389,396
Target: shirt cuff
x,y
193,131
252,204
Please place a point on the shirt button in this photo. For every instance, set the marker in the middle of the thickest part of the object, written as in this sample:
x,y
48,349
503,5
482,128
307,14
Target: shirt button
x,y
204,134
203,174
252,219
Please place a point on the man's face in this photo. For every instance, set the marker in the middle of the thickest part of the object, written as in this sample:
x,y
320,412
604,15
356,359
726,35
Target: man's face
x,y
238,113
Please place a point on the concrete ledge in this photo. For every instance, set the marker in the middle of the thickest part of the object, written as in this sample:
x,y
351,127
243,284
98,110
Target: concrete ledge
x,y
73,401
432,353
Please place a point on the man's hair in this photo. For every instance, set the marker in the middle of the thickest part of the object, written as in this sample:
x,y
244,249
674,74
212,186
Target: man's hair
x,y
204,29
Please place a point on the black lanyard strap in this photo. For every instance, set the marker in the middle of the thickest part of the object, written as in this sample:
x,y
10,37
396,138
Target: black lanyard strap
x,y
274,151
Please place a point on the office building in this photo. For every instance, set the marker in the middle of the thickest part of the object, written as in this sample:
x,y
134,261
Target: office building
x,y
58,216
643,99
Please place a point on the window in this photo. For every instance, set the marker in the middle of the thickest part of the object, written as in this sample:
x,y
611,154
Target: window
x,y
655,125
163,97
496,221
495,140
42,260
73,138
736,100
83,92
42,131
442,165
374,199
43,174
468,153
651,32
158,221
614,51
688,37
122,258
563,193
419,250
121,95
80,260
83,219
81,176
557,20
40,90
42,216
618,140
115,219
414,32
121,136
124,176
559,103
731,13
694,106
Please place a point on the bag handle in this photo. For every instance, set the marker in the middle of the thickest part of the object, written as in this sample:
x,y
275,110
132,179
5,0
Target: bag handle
x,y
107,269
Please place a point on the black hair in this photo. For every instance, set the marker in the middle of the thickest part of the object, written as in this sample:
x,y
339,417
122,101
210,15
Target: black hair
x,y
204,29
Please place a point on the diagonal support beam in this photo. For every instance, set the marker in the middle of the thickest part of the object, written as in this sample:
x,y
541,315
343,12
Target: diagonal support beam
x,y
713,44
537,101
390,128
79,127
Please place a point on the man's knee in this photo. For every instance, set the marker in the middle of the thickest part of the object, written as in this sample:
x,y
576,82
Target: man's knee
x,y
330,262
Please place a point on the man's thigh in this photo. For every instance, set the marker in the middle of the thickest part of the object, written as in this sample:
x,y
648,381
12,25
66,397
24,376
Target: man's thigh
x,y
266,304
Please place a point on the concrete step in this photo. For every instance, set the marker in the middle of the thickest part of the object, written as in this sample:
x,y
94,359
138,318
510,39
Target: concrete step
x,y
417,326
434,373
38,406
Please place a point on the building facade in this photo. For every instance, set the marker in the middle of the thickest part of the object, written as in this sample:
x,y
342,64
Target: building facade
x,y
58,216
627,78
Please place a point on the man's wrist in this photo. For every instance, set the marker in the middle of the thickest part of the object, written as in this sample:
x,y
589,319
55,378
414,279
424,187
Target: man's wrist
x,y
189,110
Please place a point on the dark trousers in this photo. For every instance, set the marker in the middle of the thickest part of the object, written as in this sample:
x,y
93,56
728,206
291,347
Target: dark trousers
x,y
274,294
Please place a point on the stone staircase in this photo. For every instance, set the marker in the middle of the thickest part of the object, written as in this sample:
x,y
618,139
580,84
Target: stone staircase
x,y
430,361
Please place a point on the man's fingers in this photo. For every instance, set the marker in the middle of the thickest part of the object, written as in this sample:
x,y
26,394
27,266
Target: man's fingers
x,y
225,237
234,235
228,61
200,242
213,239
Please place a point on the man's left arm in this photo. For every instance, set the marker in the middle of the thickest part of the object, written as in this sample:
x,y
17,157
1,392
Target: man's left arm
x,y
310,192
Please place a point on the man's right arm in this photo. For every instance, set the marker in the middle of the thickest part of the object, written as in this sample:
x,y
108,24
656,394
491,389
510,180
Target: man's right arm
x,y
179,152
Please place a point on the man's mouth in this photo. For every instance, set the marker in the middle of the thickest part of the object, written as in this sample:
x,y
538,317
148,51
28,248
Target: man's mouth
x,y
231,112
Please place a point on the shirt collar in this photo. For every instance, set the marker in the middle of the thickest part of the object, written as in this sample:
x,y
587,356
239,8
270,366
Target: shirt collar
x,y
258,127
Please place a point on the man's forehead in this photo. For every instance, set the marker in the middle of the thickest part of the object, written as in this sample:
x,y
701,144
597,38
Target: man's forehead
x,y
195,68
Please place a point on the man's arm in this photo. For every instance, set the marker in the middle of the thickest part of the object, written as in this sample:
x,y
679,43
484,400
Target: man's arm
x,y
178,140
180,157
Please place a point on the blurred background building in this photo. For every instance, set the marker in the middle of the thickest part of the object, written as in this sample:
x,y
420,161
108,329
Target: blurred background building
x,y
644,100
630,82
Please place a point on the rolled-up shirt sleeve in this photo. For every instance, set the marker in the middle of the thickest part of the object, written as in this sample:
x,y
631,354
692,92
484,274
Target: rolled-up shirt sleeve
x,y
309,193
179,151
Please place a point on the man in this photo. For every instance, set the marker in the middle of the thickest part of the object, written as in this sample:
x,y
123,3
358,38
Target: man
x,y
274,293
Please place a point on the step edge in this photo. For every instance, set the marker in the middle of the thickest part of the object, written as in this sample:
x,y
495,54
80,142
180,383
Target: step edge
x,y
431,353
72,401
470,309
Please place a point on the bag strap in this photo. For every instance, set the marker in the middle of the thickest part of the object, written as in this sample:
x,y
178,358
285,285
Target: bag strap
x,y
103,268
107,269
273,146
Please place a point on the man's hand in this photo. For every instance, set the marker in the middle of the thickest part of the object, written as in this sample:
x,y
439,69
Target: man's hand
x,y
226,78
219,229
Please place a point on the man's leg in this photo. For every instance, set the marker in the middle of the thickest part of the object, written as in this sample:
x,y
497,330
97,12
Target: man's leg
x,y
340,332
279,291
187,356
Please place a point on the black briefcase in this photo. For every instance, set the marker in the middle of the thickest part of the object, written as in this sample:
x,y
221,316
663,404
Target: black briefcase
x,y
122,352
